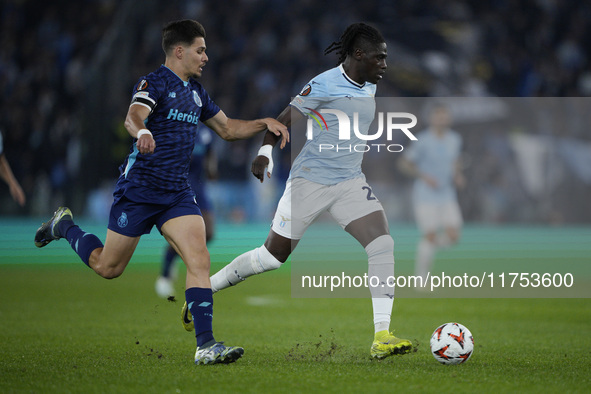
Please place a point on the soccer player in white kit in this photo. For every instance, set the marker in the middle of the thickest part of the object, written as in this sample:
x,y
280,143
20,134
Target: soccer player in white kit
x,y
331,180
433,160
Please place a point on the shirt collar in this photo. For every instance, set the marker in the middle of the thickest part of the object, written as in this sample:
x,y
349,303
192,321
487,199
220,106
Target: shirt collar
x,y
348,78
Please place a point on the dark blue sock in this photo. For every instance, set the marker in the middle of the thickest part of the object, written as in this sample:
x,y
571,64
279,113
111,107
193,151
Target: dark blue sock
x,y
167,264
83,243
63,226
200,302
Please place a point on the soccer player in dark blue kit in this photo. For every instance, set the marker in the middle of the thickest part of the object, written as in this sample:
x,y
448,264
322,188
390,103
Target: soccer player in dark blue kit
x,y
166,107
203,167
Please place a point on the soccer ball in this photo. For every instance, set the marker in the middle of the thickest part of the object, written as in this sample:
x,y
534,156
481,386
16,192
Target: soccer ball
x,y
452,343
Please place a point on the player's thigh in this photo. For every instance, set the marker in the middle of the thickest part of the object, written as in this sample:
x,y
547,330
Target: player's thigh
x,y
117,250
186,234
428,217
354,199
452,220
451,215
301,203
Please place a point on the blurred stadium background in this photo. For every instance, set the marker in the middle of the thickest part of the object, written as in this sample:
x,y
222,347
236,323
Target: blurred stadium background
x,y
66,73
67,69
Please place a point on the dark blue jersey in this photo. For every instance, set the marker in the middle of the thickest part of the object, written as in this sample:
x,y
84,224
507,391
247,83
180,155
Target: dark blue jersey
x,y
203,145
176,108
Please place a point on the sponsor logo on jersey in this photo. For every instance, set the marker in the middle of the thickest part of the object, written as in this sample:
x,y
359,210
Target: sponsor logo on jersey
x,y
190,117
171,94
197,99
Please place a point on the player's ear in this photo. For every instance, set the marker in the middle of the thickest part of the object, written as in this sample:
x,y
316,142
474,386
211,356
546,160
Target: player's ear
x,y
358,53
179,51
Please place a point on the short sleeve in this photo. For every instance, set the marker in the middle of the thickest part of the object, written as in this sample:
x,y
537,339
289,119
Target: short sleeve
x,y
311,97
209,108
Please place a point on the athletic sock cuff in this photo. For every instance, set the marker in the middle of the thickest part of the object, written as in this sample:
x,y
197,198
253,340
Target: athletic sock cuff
x,y
91,242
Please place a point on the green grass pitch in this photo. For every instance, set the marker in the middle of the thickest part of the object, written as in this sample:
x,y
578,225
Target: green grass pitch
x,y
64,329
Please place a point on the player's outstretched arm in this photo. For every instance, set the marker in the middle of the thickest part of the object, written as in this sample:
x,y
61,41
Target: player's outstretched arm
x,y
237,129
264,160
16,191
134,123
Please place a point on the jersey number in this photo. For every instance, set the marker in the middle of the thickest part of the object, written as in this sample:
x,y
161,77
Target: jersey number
x,y
369,196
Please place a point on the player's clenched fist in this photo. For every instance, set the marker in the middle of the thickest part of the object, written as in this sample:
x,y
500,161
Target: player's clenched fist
x,y
145,142
259,165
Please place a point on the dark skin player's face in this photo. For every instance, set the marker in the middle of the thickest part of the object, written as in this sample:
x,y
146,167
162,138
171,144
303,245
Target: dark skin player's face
x,y
372,65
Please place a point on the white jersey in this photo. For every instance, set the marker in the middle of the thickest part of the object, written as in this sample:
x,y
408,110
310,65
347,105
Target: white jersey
x,y
435,156
333,90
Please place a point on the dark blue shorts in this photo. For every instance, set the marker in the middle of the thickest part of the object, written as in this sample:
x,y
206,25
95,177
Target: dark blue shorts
x,y
136,209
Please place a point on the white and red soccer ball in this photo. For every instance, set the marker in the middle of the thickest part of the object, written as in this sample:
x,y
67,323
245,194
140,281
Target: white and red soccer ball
x,y
452,343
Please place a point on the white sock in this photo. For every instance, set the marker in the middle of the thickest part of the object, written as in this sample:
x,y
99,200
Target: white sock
x,y
247,264
424,260
380,253
382,310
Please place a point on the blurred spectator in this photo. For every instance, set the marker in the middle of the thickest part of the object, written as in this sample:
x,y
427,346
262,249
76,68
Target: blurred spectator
x,y
7,176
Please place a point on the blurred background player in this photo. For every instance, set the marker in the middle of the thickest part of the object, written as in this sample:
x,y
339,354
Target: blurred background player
x,y
203,167
434,162
16,191
331,181
153,188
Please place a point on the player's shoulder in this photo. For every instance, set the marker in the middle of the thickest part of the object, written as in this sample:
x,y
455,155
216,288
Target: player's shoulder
x,y
319,85
153,80
196,85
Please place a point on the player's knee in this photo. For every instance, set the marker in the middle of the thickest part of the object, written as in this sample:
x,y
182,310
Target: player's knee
x,y
430,237
266,261
199,265
108,269
454,237
109,272
382,245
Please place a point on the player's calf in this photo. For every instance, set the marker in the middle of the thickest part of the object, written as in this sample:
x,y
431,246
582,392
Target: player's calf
x,y
247,264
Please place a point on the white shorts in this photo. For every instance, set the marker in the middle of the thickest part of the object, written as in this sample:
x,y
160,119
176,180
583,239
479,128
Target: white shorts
x,y
435,216
303,201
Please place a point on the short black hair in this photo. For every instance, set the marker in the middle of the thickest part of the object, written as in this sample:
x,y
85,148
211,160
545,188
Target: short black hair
x,y
181,32
357,35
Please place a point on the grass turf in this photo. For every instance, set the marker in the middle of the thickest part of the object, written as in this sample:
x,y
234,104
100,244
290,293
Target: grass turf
x,y
64,329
